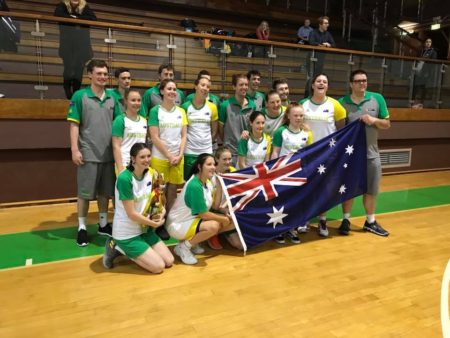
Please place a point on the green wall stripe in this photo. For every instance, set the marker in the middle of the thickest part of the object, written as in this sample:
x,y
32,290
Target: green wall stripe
x,y
59,244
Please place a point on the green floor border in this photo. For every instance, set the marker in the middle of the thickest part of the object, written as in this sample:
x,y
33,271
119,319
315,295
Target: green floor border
x,y
45,246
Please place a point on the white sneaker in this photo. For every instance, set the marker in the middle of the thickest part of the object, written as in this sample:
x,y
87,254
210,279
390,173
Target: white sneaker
x,y
197,249
323,230
303,228
185,254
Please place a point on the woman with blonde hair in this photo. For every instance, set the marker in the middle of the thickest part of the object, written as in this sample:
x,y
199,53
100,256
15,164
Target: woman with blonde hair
x,y
290,137
263,31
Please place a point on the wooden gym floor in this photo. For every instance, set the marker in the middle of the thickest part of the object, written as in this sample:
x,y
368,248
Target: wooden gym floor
x,y
356,286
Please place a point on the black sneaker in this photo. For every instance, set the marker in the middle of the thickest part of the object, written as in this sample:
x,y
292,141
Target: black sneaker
x,y
375,228
280,239
106,230
322,229
82,238
292,236
110,254
344,229
162,233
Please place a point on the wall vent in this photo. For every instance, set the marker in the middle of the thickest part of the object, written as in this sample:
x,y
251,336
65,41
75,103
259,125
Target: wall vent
x,y
395,158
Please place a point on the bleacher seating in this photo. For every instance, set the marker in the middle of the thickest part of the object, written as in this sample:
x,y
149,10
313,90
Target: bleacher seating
x,y
139,52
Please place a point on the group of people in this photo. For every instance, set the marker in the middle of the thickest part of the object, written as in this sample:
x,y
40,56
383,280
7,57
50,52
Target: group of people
x,y
118,133
306,35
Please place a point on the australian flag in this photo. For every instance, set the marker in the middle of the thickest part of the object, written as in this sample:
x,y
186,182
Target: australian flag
x,y
270,198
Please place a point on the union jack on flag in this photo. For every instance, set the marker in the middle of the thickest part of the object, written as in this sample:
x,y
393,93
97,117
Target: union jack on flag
x,y
263,180
270,198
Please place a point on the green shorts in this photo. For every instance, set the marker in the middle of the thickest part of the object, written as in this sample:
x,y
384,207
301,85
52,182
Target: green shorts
x,y
136,246
189,161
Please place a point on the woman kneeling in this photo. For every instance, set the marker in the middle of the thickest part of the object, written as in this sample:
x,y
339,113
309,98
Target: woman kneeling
x,y
190,220
132,231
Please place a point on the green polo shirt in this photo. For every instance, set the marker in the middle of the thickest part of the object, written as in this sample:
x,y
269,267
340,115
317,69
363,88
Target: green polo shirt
x,y
234,119
94,117
258,99
374,105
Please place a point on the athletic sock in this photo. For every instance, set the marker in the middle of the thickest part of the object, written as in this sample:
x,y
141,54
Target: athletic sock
x,y
347,215
370,218
187,244
81,223
102,219
323,218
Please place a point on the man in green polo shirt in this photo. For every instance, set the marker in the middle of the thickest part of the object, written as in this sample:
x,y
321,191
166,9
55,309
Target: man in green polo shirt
x,y
152,96
91,113
254,80
123,77
234,114
371,109
282,88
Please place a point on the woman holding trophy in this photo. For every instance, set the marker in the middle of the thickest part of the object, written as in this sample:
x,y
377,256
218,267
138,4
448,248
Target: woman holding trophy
x,y
138,211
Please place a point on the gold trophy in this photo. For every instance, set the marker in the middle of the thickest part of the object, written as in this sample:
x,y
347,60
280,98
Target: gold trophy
x,y
157,200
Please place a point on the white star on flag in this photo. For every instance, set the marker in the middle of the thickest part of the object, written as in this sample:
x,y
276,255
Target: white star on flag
x,y
349,150
276,216
332,143
321,169
345,165
342,189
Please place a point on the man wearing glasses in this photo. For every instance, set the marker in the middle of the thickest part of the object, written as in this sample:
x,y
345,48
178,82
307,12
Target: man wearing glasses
x,y
371,109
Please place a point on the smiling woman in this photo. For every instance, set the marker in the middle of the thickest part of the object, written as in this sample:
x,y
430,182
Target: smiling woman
x,y
190,219
168,129
324,115
132,230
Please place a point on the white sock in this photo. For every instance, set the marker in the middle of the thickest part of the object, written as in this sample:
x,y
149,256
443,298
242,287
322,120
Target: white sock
x,y
370,218
187,244
102,219
323,218
347,215
81,223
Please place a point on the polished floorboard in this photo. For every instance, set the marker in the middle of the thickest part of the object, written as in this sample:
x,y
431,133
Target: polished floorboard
x,y
356,286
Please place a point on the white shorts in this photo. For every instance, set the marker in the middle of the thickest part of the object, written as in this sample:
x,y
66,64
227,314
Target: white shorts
x,y
184,230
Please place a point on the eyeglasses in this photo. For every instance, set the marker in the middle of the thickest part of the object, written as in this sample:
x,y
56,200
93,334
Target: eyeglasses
x,y
359,81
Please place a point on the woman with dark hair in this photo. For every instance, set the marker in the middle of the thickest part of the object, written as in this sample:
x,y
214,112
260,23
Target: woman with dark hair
x,y
168,130
74,42
133,231
223,165
324,115
190,220
273,112
256,147
202,119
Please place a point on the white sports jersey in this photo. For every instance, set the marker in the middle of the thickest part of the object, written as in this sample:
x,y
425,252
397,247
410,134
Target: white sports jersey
x,y
131,132
128,187
273,124
321,118
254,152
289,141
170,124
199,138
195,198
